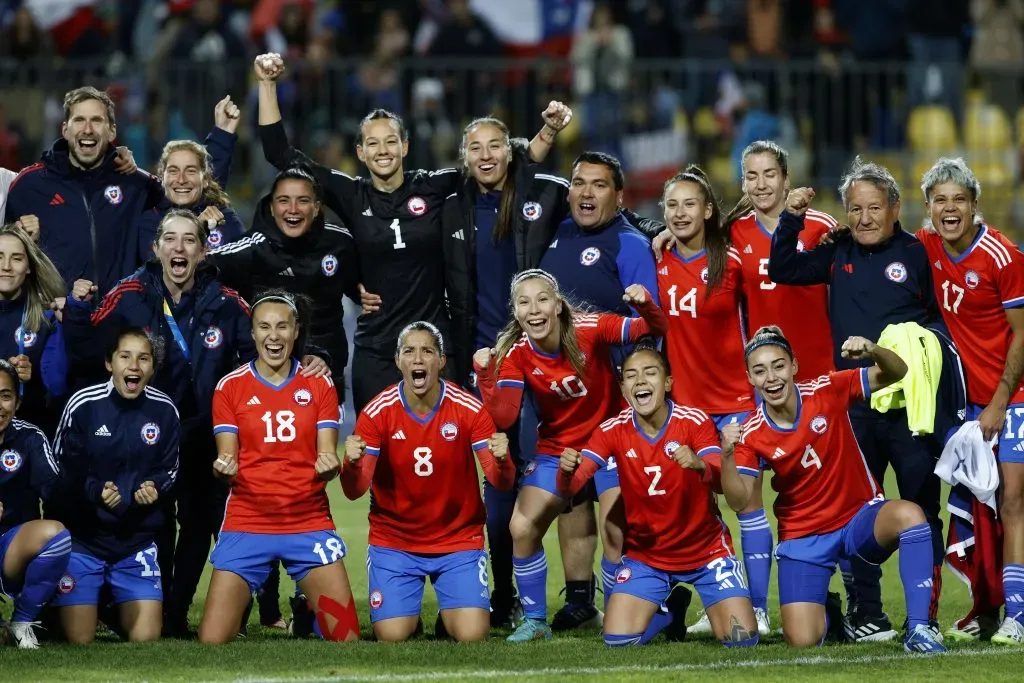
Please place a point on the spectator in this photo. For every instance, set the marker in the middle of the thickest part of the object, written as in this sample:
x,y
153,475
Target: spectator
x,y
74,25
22,39
466,35
602,57
11,141
935,32
653,32
282,26
754,122
998,43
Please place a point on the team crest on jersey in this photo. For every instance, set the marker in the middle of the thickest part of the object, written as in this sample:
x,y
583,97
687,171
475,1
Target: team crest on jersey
x,y
800,245
671,447
150,433
214,239
704,275
623,575
819,424
66,584
971,279
28,339
303,397
589,256
449,431
329,265
532,211
417,206
10,460
531,467
113,194
376,599
896,271
213,337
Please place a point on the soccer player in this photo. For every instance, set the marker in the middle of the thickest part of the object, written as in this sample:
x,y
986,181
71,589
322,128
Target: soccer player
x,y
117,444
700,286
829,505
277,441
675,532
978,275
426,519
34,553
561,354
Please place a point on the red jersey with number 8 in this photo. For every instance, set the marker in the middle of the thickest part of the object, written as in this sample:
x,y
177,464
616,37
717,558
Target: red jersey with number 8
x,y
276,490
820,474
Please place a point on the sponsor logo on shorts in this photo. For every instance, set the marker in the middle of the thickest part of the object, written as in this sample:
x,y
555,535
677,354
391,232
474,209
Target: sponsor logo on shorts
x,y
150,433
66,584
530,468
303,397
896,271
376,599
623,575
449,432
819,424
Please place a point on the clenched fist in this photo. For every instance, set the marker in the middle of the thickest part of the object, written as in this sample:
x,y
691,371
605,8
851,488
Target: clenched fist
x,y
355,448
799,200
327,465
498,443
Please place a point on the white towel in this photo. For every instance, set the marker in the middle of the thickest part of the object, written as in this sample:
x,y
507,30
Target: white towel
x,y
969,460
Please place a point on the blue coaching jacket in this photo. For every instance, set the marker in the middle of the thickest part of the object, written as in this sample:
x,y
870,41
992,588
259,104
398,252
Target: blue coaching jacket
x,y
86,218
217,332
28,472
870,288
45,349
104,437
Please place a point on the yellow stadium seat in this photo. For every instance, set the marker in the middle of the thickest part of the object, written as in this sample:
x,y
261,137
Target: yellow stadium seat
x,y
931,127
705,123
987,127
992,175
1019,120
896,162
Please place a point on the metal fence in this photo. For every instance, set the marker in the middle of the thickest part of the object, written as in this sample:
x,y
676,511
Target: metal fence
x,y
669,114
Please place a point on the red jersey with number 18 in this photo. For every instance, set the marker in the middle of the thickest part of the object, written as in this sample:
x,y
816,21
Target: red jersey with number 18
x,y
276,490
801,312
704,342
426,494
820,474
974,291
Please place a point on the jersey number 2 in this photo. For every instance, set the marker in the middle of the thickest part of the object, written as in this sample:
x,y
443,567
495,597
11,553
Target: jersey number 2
x,y
285,431
397,227
655,472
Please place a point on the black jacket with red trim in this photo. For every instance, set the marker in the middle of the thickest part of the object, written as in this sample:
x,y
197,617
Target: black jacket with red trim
x,y
217,332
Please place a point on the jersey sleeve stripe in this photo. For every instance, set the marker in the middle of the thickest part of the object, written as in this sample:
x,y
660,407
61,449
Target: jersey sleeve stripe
x,y
749,471
381,405
479,445
864,384
373,450
232,375
443,171
158,395
709,450
1014,303
225,429
625,330
464,395
821,217
735,256
327,424
996,250
241,245
517,383
552,178
591,455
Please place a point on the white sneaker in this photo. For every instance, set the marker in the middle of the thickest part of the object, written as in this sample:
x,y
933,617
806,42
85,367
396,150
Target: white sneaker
x,y
1011,632
764,626
703,626
24,636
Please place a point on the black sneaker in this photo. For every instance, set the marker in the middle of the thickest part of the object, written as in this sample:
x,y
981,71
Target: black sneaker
x,y
301,624
868,628
677,603
506,613
576,616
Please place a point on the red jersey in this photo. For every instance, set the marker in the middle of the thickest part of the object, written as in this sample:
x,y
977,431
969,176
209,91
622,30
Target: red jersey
x,y
425,492
276,490
801,312
974,291
705,338
671,512
820,474
569,407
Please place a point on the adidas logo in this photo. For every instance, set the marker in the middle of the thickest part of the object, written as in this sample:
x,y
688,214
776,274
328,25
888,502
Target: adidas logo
x,y
538,371
725,585
663,271
748,249
631,453
102,431
398,435
778,453
459,235
254,401
368,212
287,272
1019,448
553,244
57,200
927,583
1015,599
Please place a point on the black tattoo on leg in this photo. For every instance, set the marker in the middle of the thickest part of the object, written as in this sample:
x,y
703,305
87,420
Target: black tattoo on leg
x,y
737,633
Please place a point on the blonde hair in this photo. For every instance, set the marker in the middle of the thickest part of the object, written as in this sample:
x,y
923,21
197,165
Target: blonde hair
x,y
42,284
568,343
213,193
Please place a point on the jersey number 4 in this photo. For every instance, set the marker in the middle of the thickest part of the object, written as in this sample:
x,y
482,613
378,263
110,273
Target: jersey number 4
x,y
285,422
810,458
687,304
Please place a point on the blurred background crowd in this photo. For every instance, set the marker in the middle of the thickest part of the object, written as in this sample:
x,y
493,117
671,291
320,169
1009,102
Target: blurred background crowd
x,y
658,83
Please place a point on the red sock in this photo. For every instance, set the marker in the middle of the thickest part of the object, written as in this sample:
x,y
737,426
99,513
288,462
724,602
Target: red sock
x,y
346,621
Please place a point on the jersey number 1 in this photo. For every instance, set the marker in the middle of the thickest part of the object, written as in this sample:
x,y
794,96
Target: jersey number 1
x,y
285,426
396,226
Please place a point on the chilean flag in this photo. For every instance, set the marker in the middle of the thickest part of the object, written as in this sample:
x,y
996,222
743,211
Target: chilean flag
x,y
534,28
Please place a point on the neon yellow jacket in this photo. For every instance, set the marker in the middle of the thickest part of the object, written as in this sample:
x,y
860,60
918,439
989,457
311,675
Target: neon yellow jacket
x,y
921,351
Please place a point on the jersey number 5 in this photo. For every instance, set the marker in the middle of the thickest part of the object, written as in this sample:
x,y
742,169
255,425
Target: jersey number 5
x,y
688,303
762,269
285,431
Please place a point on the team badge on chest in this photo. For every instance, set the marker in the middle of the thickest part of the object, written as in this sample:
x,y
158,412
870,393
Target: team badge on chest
x,y
213,337
971,279
819,424
215,238
704,275
329,265
28,339
671,447
532,211
896,271
417,206
303,397
113,194
589,256
10,461
150,433
449,432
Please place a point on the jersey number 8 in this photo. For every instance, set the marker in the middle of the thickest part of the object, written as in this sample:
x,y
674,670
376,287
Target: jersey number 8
x,y
423,467
285,426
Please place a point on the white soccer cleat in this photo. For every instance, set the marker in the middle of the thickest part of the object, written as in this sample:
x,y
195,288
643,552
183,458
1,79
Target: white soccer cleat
x,y
23,634
703,626
1011,632
764,625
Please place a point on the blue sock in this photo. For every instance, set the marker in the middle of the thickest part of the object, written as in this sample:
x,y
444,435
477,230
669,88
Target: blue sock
x,y
42,574
846,569
659,622
608,569
499,505
612,640
532,578
1013,591
916,572
756,539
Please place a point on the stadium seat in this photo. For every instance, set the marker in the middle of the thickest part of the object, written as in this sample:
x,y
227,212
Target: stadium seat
x,y
705,123
1019,121
931,127
897,164
987,127
723,176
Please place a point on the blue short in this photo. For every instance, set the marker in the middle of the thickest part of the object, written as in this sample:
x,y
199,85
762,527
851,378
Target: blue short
x,y
725,418
607,477
136,577
720,580
1011,439
252,556
397,579
9,587
542,473
806,564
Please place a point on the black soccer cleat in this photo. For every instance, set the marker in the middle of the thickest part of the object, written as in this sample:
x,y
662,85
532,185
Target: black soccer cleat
x,y
677,603
301,624
576,616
